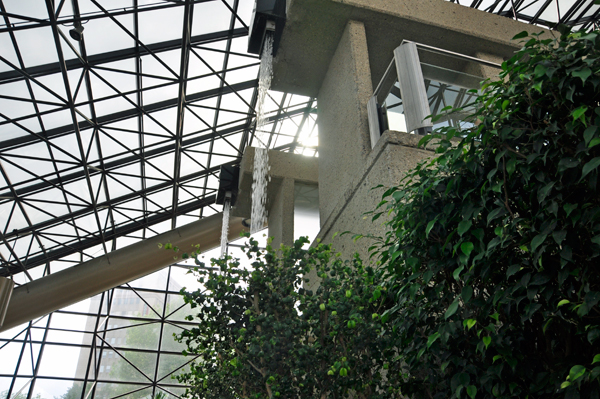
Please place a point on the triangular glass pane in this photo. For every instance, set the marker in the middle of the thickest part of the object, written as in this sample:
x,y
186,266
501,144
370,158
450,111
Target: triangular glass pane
x,y
156,281
210,17
36,45
178,311
169,365
129,391
151,19
105,36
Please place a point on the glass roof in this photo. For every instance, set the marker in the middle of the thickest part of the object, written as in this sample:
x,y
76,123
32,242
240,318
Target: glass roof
x,y
119,136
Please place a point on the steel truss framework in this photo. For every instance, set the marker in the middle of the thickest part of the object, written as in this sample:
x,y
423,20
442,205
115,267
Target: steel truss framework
x,y
119,137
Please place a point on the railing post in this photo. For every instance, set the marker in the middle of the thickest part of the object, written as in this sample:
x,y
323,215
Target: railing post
x,y
412,88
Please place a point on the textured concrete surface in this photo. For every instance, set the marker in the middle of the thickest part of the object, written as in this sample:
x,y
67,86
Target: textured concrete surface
x,y
314,28
394,154
281,214
344,141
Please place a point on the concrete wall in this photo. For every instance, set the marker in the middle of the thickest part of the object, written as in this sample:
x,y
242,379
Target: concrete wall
x,y
281,215
344,142
393,155
314,28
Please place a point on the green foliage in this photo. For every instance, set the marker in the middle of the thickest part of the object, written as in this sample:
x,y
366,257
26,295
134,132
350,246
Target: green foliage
x,y
492,253
260,334
4,395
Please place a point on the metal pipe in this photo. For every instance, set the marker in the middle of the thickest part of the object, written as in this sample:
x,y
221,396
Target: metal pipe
x,y
66,287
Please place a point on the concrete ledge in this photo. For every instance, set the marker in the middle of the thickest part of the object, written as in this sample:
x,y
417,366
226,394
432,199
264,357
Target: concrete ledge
x,y
314,28
283,165
393,155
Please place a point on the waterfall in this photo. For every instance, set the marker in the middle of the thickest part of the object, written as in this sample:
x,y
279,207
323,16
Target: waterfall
x,y
225,226
260,175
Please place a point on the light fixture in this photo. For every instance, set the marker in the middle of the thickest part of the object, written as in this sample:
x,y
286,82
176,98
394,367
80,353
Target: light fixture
x,y
6,289
77,33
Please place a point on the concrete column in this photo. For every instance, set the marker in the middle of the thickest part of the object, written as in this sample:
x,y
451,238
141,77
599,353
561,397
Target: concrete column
x,y
281,214
344,141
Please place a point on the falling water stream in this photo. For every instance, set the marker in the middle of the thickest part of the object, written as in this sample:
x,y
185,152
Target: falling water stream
x,y
225,226
260,176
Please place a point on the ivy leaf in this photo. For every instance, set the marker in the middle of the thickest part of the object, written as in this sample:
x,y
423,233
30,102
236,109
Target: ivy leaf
x,y
487,341
583,74
540,70
451,309
567,163
512,270
466,248
595,141
432,338
579,112
588,167
471,391
563,302
376,294
576,372
467,293
456,273
469,323
537,240
464,226
593,336
596,359
588,134
559,236
429,227
544,191
520,35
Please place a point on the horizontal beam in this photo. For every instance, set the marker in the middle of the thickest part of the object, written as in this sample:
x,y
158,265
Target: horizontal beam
x,y
148,153
108,234
66,287
118,55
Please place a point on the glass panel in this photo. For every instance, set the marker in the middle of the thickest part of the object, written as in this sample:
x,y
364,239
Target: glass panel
x,y
128,366
19,390
177,308
59,389
455,85
447,88
171,365
168,342
130,391
139,334
10,356
63,361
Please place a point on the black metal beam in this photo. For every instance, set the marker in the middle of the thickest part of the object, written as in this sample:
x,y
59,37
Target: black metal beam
x,y
118,231
129,113
119,55
149,153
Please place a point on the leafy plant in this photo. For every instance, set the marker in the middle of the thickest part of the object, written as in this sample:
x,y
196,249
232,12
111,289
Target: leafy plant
x,y
492,253
261,334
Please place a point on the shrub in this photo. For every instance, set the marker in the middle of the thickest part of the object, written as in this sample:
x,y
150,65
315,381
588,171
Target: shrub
x,y
492,252
260,334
